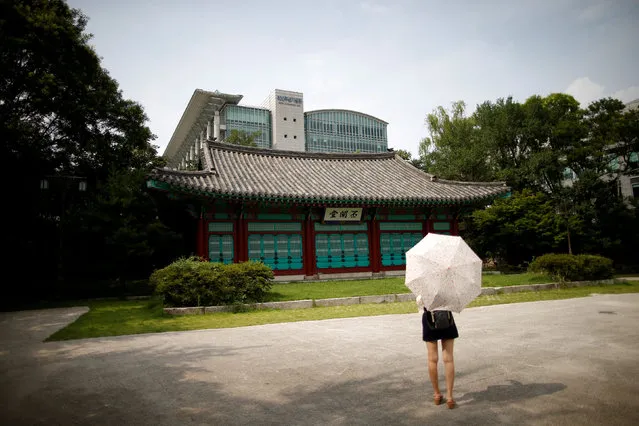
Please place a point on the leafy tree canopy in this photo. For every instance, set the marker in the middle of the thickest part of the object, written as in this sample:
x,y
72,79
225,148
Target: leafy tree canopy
x,y
404,154
61,116
453,150
563,163
531,144
60,111
241,137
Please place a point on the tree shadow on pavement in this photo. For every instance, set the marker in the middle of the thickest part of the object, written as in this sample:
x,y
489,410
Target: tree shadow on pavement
x,y
513,392
171,384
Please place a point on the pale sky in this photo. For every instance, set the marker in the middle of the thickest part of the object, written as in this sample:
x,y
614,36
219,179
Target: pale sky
x,y
395,60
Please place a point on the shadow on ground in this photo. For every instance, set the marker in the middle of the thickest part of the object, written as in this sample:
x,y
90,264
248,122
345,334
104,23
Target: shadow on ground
x,y
513,392
176,385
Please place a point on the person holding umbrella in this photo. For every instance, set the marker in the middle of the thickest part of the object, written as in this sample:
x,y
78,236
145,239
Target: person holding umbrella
x,y
445,275
431,335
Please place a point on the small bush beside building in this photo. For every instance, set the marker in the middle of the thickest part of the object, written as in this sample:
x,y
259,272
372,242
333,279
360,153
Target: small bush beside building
x,y
193,282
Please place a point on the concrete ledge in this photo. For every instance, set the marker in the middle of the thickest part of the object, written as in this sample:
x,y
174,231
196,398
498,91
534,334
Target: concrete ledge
x,y
344,275
386,298
488,291
517,288
570,284
184,311
338,301
213,309
294,304
549,286
406,297
485,291
286,278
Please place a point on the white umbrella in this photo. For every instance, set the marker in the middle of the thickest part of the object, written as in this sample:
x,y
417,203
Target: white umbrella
x,y
444,272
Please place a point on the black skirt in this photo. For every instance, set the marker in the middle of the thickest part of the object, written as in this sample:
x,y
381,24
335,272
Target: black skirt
x,y
431,334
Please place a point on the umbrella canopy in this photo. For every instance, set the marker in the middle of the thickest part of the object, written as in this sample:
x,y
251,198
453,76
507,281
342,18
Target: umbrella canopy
x,y
444,271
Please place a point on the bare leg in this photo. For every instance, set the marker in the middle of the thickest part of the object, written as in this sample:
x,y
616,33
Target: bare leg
x,y
449,367
433,359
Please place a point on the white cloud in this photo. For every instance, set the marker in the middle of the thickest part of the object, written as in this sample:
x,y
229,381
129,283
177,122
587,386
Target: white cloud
x,y
628,94
585,90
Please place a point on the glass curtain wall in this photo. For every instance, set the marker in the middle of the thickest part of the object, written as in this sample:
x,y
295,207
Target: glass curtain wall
x,y
344,131
250,120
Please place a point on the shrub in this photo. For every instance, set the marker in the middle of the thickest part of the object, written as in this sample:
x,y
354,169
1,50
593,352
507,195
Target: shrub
x,y
251,281
596,267
568,267
193,282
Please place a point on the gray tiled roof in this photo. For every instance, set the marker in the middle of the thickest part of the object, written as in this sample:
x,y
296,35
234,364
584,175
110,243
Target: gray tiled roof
x,y
374,179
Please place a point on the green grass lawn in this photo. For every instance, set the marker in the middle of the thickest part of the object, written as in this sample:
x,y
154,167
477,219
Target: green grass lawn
x,y
328,289
113,318
505,280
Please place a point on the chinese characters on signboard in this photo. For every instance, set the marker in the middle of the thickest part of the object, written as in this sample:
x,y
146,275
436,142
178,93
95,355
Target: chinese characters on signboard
x,y
342,214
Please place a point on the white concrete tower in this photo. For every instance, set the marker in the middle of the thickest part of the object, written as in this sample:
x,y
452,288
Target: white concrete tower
x,y
287,115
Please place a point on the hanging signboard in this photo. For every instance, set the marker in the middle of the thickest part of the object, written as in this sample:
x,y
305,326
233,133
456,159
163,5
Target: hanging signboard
x,y
343,214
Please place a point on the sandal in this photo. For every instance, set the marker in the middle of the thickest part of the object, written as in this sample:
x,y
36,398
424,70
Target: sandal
x,y
451,403
437,399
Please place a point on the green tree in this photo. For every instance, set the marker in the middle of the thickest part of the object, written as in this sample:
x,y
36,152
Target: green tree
x,y
241,137
453,150
562,129
61,117
612,140
60,110
529,144
406,155
609,226
124,222
532,146
500,129
515,229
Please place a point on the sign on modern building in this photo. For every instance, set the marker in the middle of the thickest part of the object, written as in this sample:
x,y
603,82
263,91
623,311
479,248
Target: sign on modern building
x,y
289,100
342,214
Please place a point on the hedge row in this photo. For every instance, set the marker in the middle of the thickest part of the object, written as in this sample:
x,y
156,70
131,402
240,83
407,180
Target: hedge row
x,y
568,267
193,282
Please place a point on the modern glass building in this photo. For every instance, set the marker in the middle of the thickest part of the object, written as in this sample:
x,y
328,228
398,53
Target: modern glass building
x,y
252,120
336,130
280,124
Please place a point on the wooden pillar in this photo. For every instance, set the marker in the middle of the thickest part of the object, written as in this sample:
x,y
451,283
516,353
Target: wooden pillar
x,y
240,236
454,228
456,214
201,239
309,245
428,223
375,251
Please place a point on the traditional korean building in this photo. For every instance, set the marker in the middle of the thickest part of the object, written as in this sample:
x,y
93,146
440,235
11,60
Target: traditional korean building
x,y
313,215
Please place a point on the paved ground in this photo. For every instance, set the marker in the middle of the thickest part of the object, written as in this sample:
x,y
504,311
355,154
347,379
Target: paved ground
x,y
561,362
